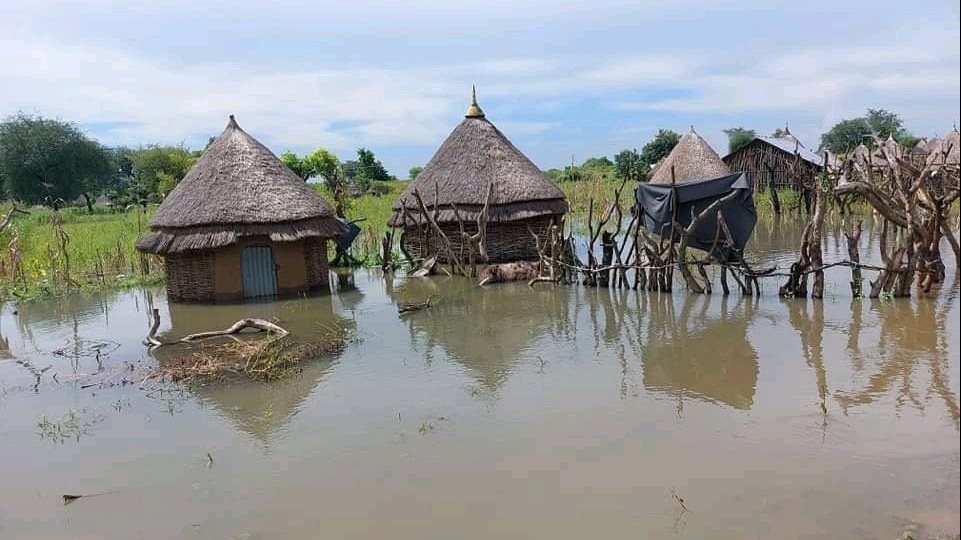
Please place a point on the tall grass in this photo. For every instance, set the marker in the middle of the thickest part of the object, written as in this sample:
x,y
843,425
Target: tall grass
x,y
99,248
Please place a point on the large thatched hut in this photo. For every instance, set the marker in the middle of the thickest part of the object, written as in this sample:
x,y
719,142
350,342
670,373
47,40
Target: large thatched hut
x,y
790,161
691,159
239,225
474,156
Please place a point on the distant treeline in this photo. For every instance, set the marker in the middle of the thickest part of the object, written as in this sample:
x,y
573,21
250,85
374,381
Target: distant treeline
x,y
842,138
53,163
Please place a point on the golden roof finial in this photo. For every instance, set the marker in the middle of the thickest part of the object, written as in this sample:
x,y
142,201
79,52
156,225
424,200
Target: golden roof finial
x,y
474,111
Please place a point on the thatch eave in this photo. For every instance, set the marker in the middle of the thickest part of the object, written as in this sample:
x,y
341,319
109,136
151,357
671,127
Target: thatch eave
x,y
500,213
172,240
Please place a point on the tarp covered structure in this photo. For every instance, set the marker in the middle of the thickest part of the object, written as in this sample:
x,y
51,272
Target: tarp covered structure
x,y
657,203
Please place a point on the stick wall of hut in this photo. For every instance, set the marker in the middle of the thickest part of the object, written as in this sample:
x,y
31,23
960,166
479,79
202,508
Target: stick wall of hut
x,y
753,158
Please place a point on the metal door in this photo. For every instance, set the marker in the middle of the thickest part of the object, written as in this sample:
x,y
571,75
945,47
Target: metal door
x,y
259,272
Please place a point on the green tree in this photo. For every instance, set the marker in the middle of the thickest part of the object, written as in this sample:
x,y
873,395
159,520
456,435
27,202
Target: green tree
x,y
324,164
738,137
628,165
369,169
846,135
158,169
884,123
907,140
414,172
659,147
602,162
300,166
50,161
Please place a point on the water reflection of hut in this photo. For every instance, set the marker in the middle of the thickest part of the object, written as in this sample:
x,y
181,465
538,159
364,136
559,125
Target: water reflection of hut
x,y
790,161
241,224
691,159
259,409
475,155
263,410
487,331
699,355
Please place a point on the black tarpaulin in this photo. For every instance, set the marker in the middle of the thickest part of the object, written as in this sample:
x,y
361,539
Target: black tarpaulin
x,y
656,202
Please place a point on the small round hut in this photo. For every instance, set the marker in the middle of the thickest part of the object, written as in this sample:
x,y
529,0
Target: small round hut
x,y
240,225
691,159
477,155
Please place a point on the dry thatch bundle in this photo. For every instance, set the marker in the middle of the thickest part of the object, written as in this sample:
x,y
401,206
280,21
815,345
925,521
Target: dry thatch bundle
x,y
691,159
266,360
238,188
475,155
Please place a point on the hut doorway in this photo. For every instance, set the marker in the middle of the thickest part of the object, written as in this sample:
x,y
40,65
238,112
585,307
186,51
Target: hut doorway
x,y
259,271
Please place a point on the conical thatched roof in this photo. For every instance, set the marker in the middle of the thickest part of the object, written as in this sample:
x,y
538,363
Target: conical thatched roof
x,y
475,155
692,159
947,152
237,188
861,152
920,149
891,145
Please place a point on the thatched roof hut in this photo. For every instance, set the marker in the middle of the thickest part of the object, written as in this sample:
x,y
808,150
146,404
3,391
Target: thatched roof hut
x,y
681,356
919,153
241,224
691,159
947,151
474,156
891,146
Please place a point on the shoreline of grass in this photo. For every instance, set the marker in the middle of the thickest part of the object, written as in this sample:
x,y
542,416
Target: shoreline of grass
x,y
101,253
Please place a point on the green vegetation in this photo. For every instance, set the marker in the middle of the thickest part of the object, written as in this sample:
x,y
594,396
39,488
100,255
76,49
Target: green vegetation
x,y
50,162
628,164
738,137
52,252
320,163
847,134
660,146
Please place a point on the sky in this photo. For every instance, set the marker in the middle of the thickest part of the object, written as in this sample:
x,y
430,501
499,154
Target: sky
x,y
563,80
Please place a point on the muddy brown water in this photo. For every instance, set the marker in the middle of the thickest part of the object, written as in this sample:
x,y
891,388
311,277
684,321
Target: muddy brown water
x,y
501,412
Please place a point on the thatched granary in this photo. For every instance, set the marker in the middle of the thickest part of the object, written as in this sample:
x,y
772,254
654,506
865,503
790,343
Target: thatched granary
x,y
792,163
919,153
474,156
241,224
691,159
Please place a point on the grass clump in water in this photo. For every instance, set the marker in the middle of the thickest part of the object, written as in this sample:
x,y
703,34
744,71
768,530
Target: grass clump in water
x,y
264,360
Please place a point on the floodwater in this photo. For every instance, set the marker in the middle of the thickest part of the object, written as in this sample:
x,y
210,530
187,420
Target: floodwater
x,y
501,412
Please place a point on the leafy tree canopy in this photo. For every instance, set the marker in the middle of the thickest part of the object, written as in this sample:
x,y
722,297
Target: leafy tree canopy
x,y
47,161
629,165
369,169
738,137
877,123
324,164
300,166
846,135
414,172
602,162
884,123
158,169
659,147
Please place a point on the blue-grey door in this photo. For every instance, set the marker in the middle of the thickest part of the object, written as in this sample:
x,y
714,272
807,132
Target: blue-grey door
x,y
260,275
